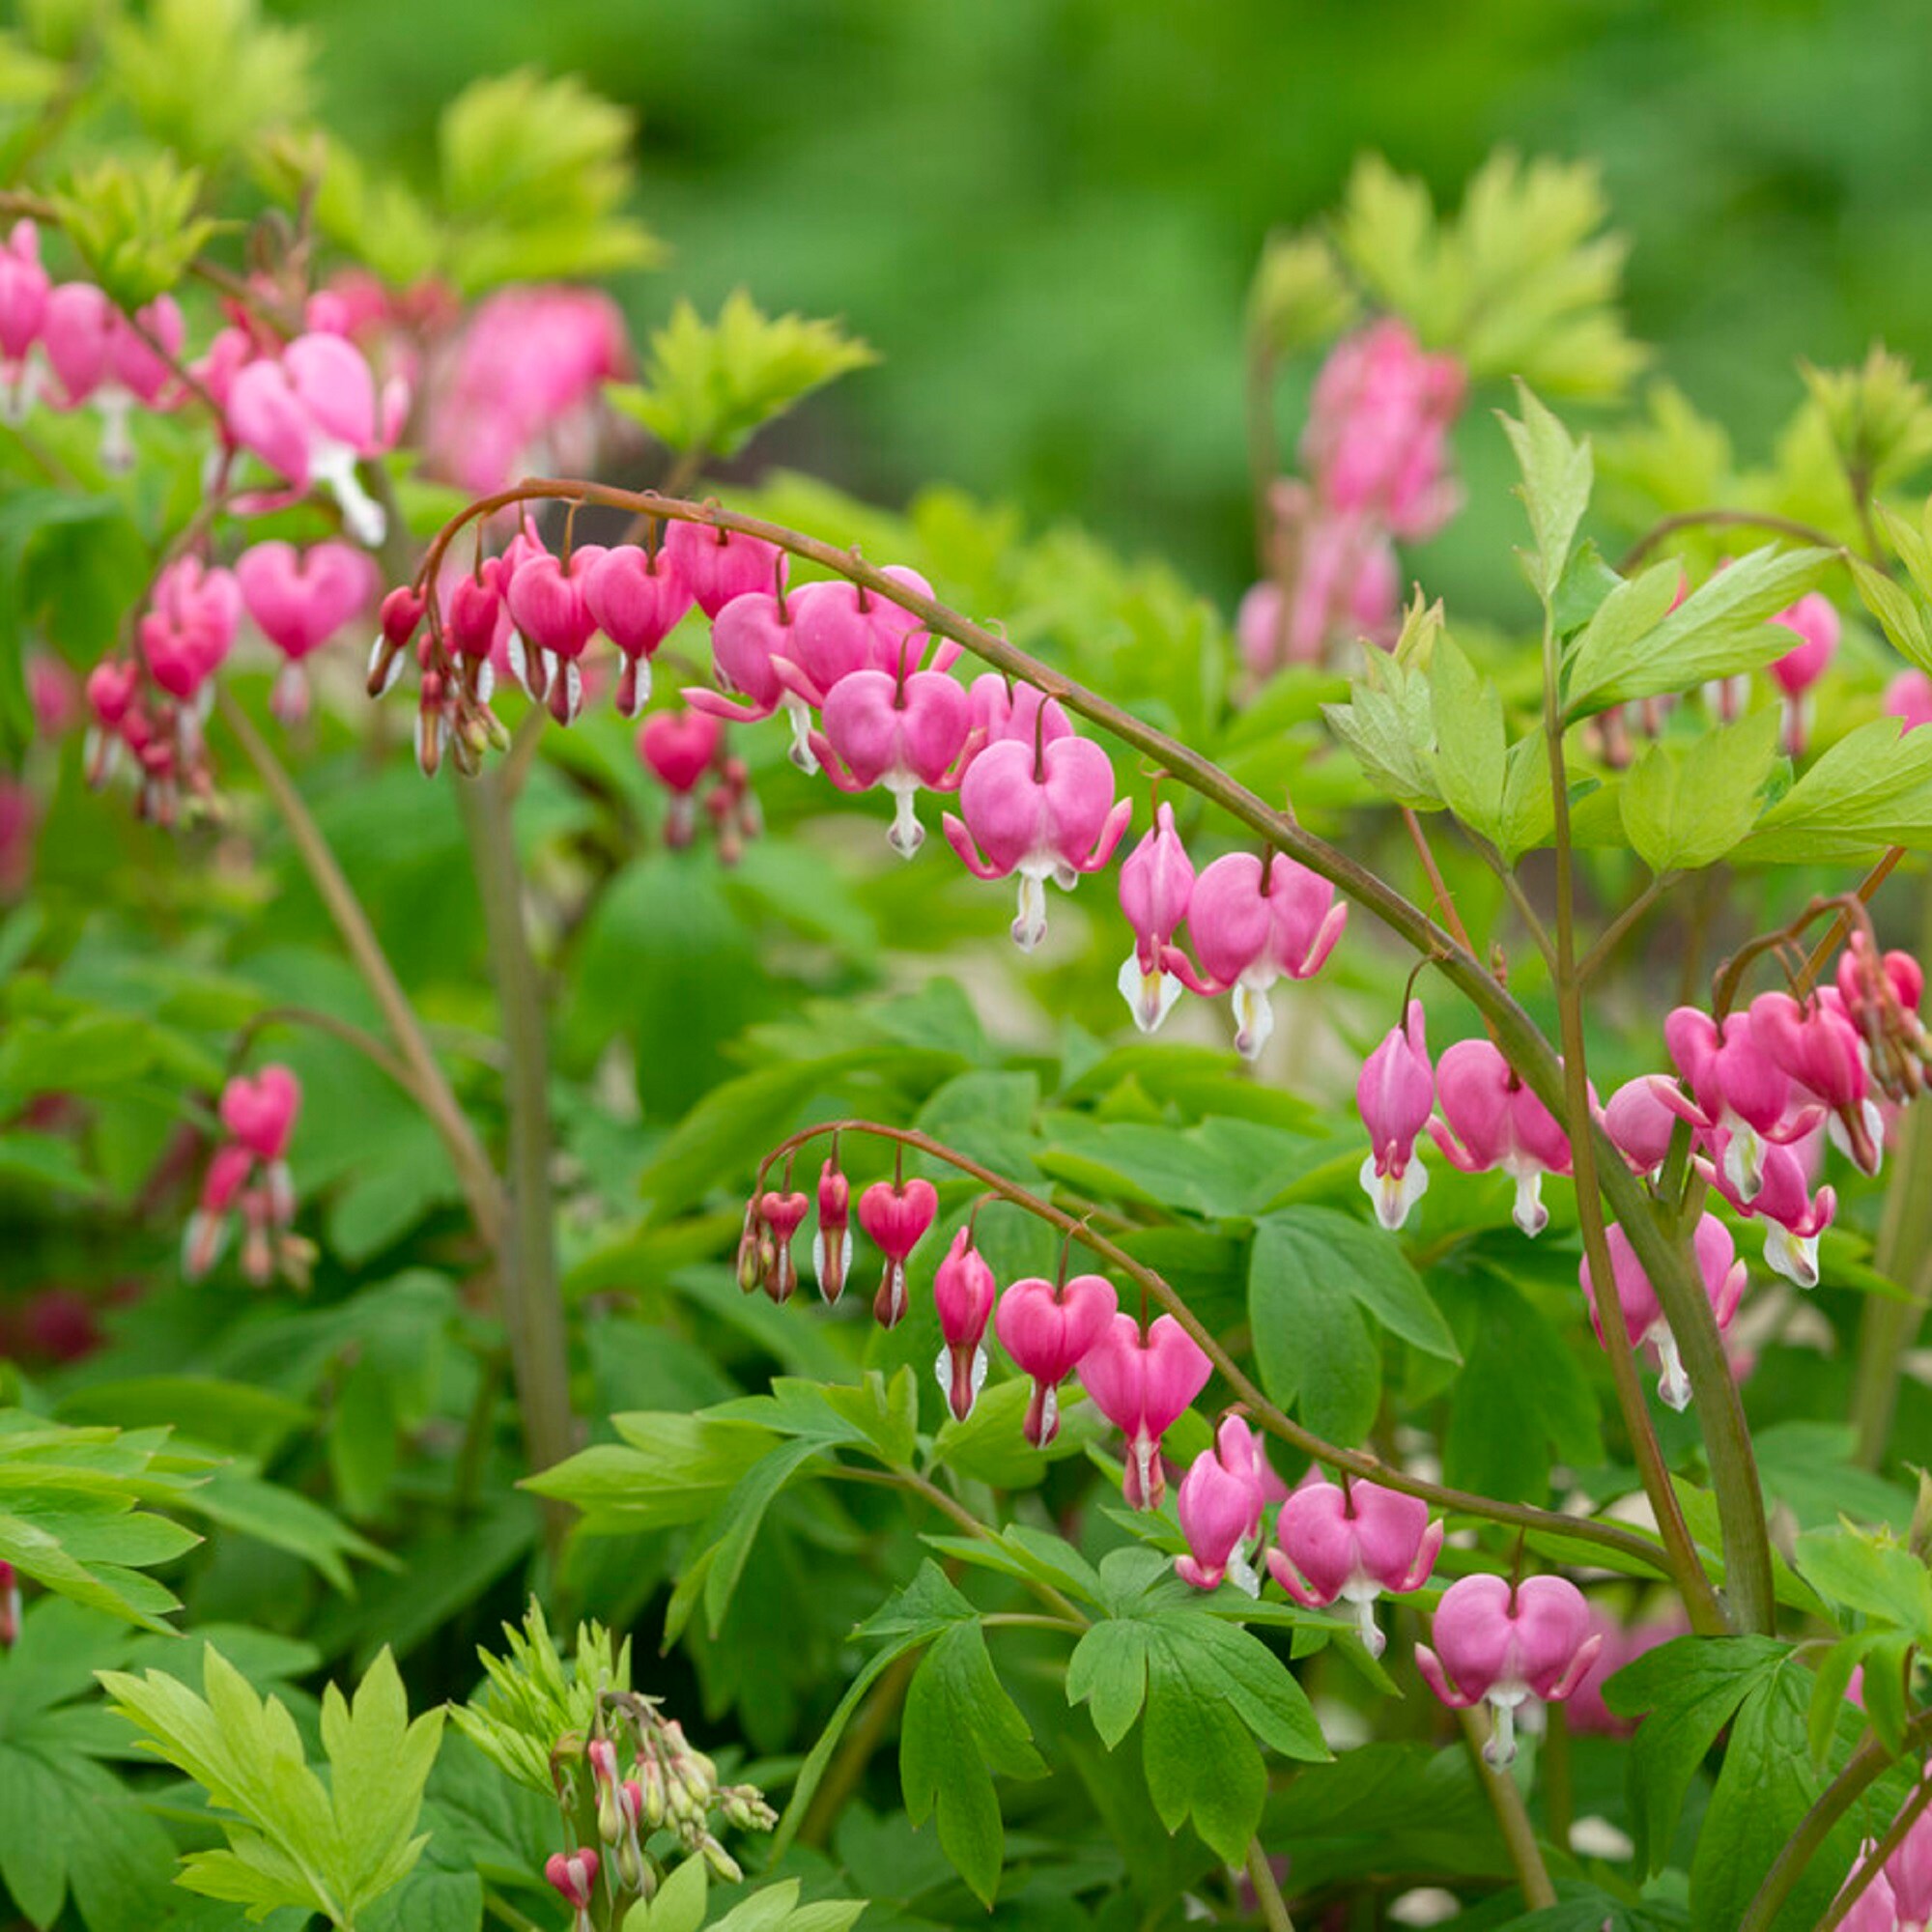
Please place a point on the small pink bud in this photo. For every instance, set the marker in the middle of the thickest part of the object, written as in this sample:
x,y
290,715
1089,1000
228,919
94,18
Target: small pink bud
x,y
1394,1094
964,1290
1219,1503
830,1245
1156,887
784,1214
574,1876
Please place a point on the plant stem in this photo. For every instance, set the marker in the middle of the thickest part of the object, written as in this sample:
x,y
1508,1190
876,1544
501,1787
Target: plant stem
x,y
426,1083
532,1301
1523,1516
1739,1503
1612,934
1512,1818
1559,1788
1687,1568
1261,1875
856,1748
1721,519
1864,1769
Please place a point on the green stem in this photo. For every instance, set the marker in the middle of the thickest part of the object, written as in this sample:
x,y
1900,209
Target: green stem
x,y
1687,1568
1261,1875
426,1083
532,1300
1865,1768
1512,1818
1667,1263
1719,519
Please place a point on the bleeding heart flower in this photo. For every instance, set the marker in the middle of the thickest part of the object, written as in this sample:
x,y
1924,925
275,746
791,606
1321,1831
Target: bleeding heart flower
x,y
1219,1503
1156,888
314,414
895,1214
900,733
1250,927
784,1214
1506,1644
1793,1220
1490,1119
98,355
1042,810
1351,1542
1818,1048
1880,994
719,565
1001,709
1909,696
1394,1094
749,638
1641,1121
23,309
299,600
1143,1384
1814,621
679,746
828,1245
260,1117
191,630
1047,1327
1723,1278
637,598
261,1113
964,1292
1736,1085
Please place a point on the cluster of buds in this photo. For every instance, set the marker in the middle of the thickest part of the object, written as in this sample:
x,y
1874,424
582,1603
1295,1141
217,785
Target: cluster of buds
x,y
667,1784
1375,451
684,751
1488,1121
248,1178
1503,1643
1142,1380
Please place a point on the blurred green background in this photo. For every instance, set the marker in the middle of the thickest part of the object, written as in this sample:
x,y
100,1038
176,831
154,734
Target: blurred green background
x,y
1044,213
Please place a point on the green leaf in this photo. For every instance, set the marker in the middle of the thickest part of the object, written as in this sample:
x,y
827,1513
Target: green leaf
x,y
1108,1673
1871,789
1872,1573
1685,809
668,1470
960,1731
1556,491
1900,615
679,1905
1717,632
206,76
1685,1691
1471,744
1313,1275
136,227
710,387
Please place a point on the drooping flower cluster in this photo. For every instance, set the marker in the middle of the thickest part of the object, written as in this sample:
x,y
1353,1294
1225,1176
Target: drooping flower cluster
x,y
1502,1644
1489,1121
1142,1380
248,1178
1375,451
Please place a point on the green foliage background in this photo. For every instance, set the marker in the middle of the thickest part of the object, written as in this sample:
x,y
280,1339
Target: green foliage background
x,y
1044,213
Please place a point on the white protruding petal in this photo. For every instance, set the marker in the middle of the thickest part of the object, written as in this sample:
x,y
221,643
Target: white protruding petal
x,y
1374,1640
332,464
1791,1255
1242,1573
486,681
801,755
1500,1750
1049,1411
1064,876
288,696
518,654
116,442
394,668
1030,922
1743,1160
1254,1019
907,834
1673,1385
1394,1195
572,675
1529,1213
1150,996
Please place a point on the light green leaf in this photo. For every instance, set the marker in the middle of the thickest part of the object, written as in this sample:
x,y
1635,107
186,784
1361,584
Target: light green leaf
x,y
1471,744
1871,789
1685,808
1555,490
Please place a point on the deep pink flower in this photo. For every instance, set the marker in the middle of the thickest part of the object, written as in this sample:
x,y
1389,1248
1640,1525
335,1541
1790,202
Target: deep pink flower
x,y
1351,1542
1249,934
1909,696
1724,1277
720,565
1814,621
573,1875
1342,584
1143,1383
1043,810
1377,429
831,1243
261,1113
898,732
1875,1910
784,1213
23,309
1505,1645
1881,994
1819,1049
249,1174
1908,1873
98,355
964,1290
1793,1216
190,629
313,414
551,611
1490,1119
299,600
1641,1121
637,599
1156,888
895,1214
1394,1094
679,746
1047,1327
1219,1503
1736,1085
1001,709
